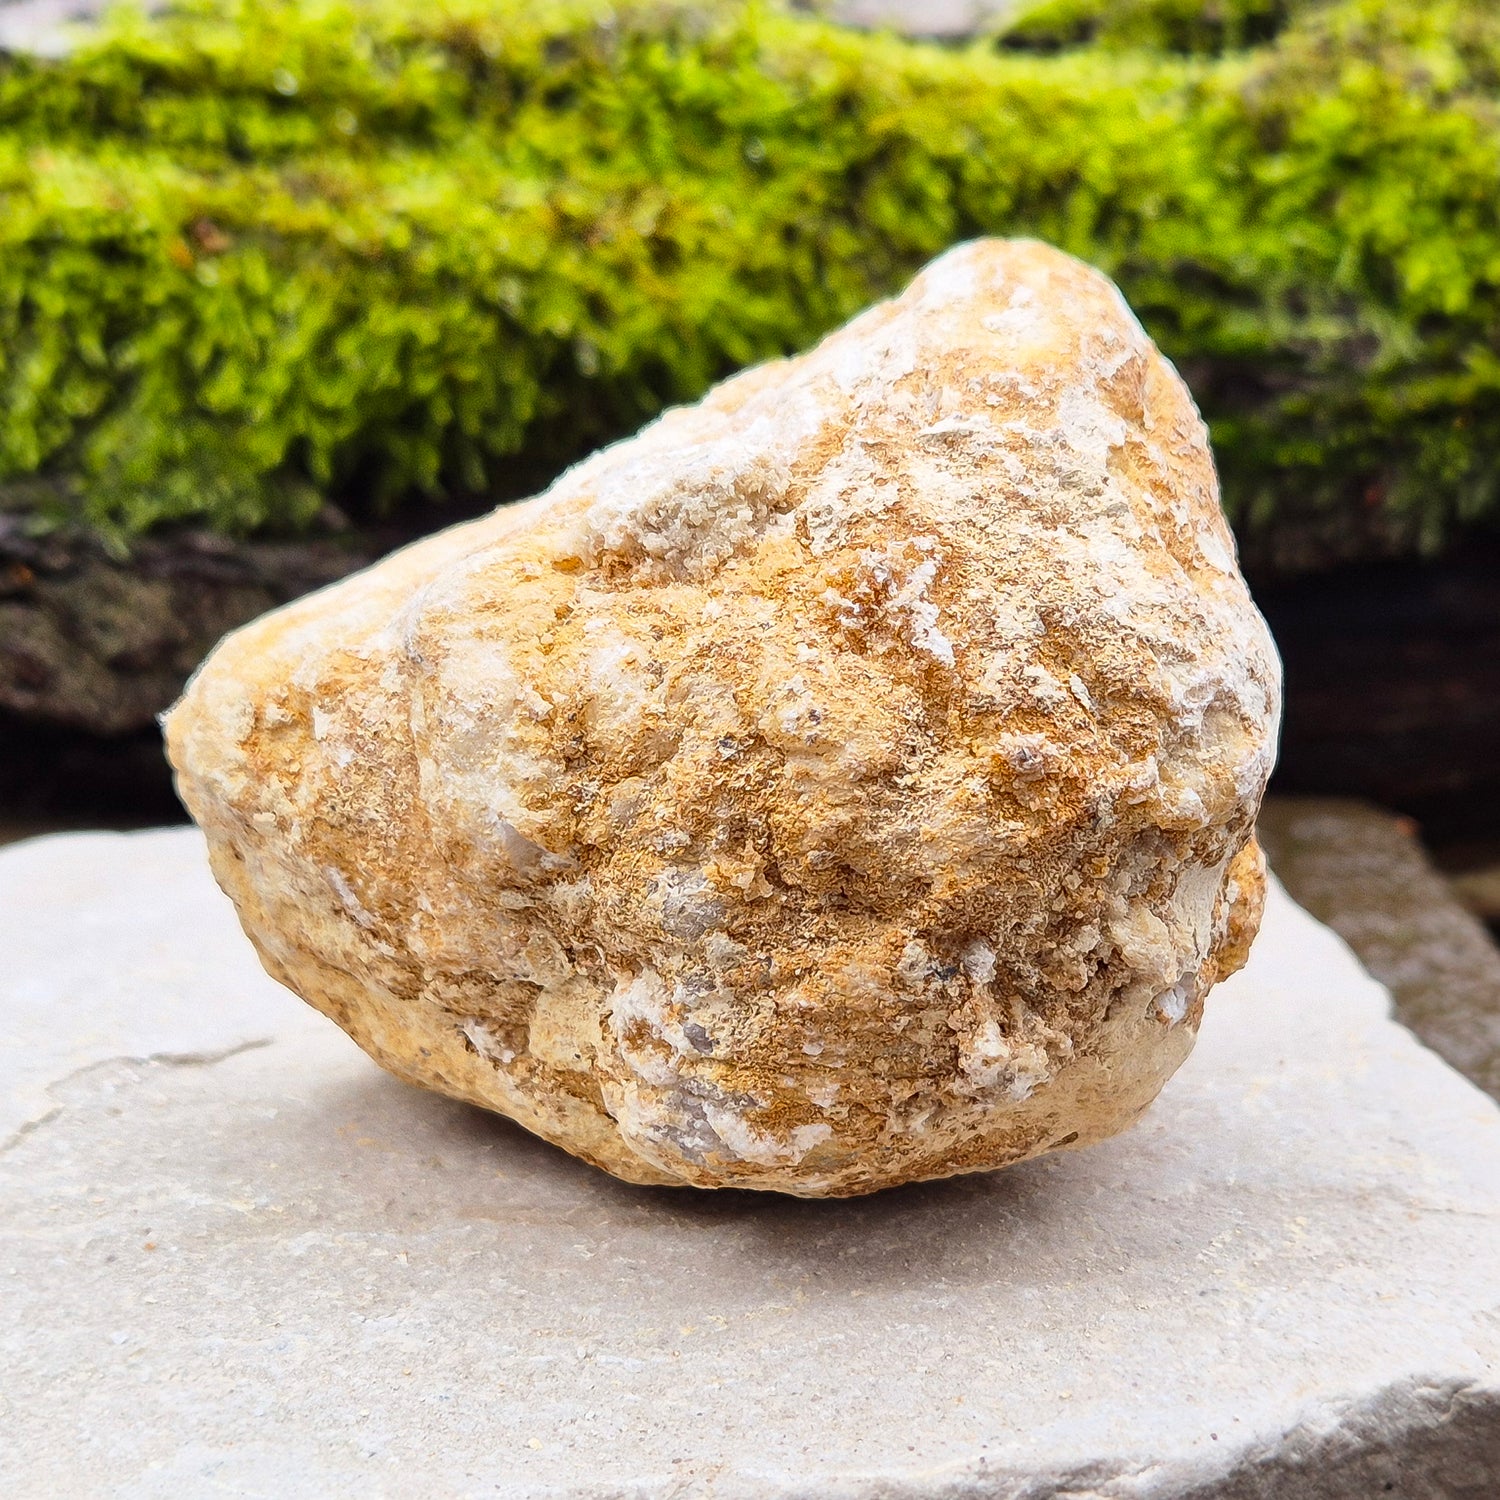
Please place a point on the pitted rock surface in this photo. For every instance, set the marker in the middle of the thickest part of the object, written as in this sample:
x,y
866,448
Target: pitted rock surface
x,y
850,779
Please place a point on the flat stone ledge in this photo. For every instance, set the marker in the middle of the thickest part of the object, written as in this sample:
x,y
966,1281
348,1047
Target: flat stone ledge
x,y
43,26
238,1259
1363,872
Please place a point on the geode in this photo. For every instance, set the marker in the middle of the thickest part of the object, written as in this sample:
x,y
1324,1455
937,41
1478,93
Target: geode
x,y
850,779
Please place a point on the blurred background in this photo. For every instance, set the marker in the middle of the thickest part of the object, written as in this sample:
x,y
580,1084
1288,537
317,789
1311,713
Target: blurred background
x,y
286,283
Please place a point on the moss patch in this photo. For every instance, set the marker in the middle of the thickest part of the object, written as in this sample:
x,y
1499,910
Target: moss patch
x,y
254,255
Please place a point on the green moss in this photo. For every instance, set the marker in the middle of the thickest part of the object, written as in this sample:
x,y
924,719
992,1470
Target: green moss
x,y
1209,27
253,255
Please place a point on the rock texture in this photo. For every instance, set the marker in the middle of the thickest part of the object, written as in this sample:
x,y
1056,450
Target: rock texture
x,y
848,780
94,641
237,1260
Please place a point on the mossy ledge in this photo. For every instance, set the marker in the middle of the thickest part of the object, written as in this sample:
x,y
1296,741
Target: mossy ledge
x,y
254,256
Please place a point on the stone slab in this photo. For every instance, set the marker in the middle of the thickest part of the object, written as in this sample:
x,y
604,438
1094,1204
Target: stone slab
x,y
236,1259
1363,872
1479,891
947,20
44,26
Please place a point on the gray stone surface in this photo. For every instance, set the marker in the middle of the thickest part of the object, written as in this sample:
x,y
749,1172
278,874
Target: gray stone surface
x,y
235,1259
1479,891
44,25
938,19
1362,871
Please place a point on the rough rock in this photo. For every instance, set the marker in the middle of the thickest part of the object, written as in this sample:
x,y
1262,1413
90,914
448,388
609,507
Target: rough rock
x,y
283,1273
848,780
1479,890
949,20
99,641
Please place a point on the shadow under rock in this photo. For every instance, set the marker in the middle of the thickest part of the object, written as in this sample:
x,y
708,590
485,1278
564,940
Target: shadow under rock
x,y
1004,1225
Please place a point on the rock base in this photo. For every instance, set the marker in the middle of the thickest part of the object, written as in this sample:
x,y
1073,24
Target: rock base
x,y
237,1258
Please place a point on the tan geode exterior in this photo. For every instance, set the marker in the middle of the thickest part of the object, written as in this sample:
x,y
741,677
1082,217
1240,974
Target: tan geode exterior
x,y
848,780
